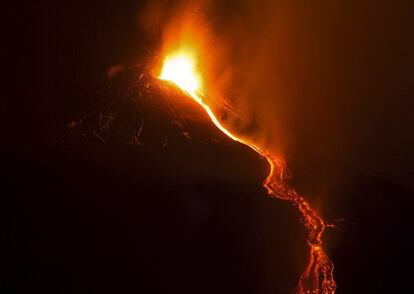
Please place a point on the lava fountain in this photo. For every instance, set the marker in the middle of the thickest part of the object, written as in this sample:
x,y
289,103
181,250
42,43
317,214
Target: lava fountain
x,y
181,66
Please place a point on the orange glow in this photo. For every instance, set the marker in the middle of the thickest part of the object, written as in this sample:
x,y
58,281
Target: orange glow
x,y
181,66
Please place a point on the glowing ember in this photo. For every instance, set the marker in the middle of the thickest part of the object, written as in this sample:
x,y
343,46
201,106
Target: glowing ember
x,y
180,67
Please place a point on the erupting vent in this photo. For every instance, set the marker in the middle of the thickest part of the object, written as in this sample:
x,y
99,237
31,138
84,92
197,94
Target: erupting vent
x,y
180,68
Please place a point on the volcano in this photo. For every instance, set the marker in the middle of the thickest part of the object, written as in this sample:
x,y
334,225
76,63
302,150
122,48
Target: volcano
x,y
159,118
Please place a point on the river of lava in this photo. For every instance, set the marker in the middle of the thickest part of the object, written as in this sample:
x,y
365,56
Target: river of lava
x,y
180,69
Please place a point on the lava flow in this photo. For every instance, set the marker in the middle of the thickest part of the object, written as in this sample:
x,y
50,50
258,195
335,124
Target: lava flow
x,y
181,68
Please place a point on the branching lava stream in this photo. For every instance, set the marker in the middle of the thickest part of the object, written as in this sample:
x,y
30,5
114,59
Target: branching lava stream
x,y
180,67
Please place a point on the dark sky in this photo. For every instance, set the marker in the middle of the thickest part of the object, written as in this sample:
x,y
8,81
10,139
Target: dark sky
x,y
344,103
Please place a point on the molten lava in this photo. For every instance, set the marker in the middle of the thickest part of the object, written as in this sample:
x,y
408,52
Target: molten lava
x,y
181,67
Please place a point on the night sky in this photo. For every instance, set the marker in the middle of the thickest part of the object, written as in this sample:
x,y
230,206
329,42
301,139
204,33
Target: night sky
x,y
86,207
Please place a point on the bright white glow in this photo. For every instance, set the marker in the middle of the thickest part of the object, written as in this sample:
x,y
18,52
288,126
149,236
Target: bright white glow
x,y
180,68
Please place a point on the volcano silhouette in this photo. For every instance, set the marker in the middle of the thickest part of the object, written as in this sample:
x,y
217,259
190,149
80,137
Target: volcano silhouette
x,y
157,118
